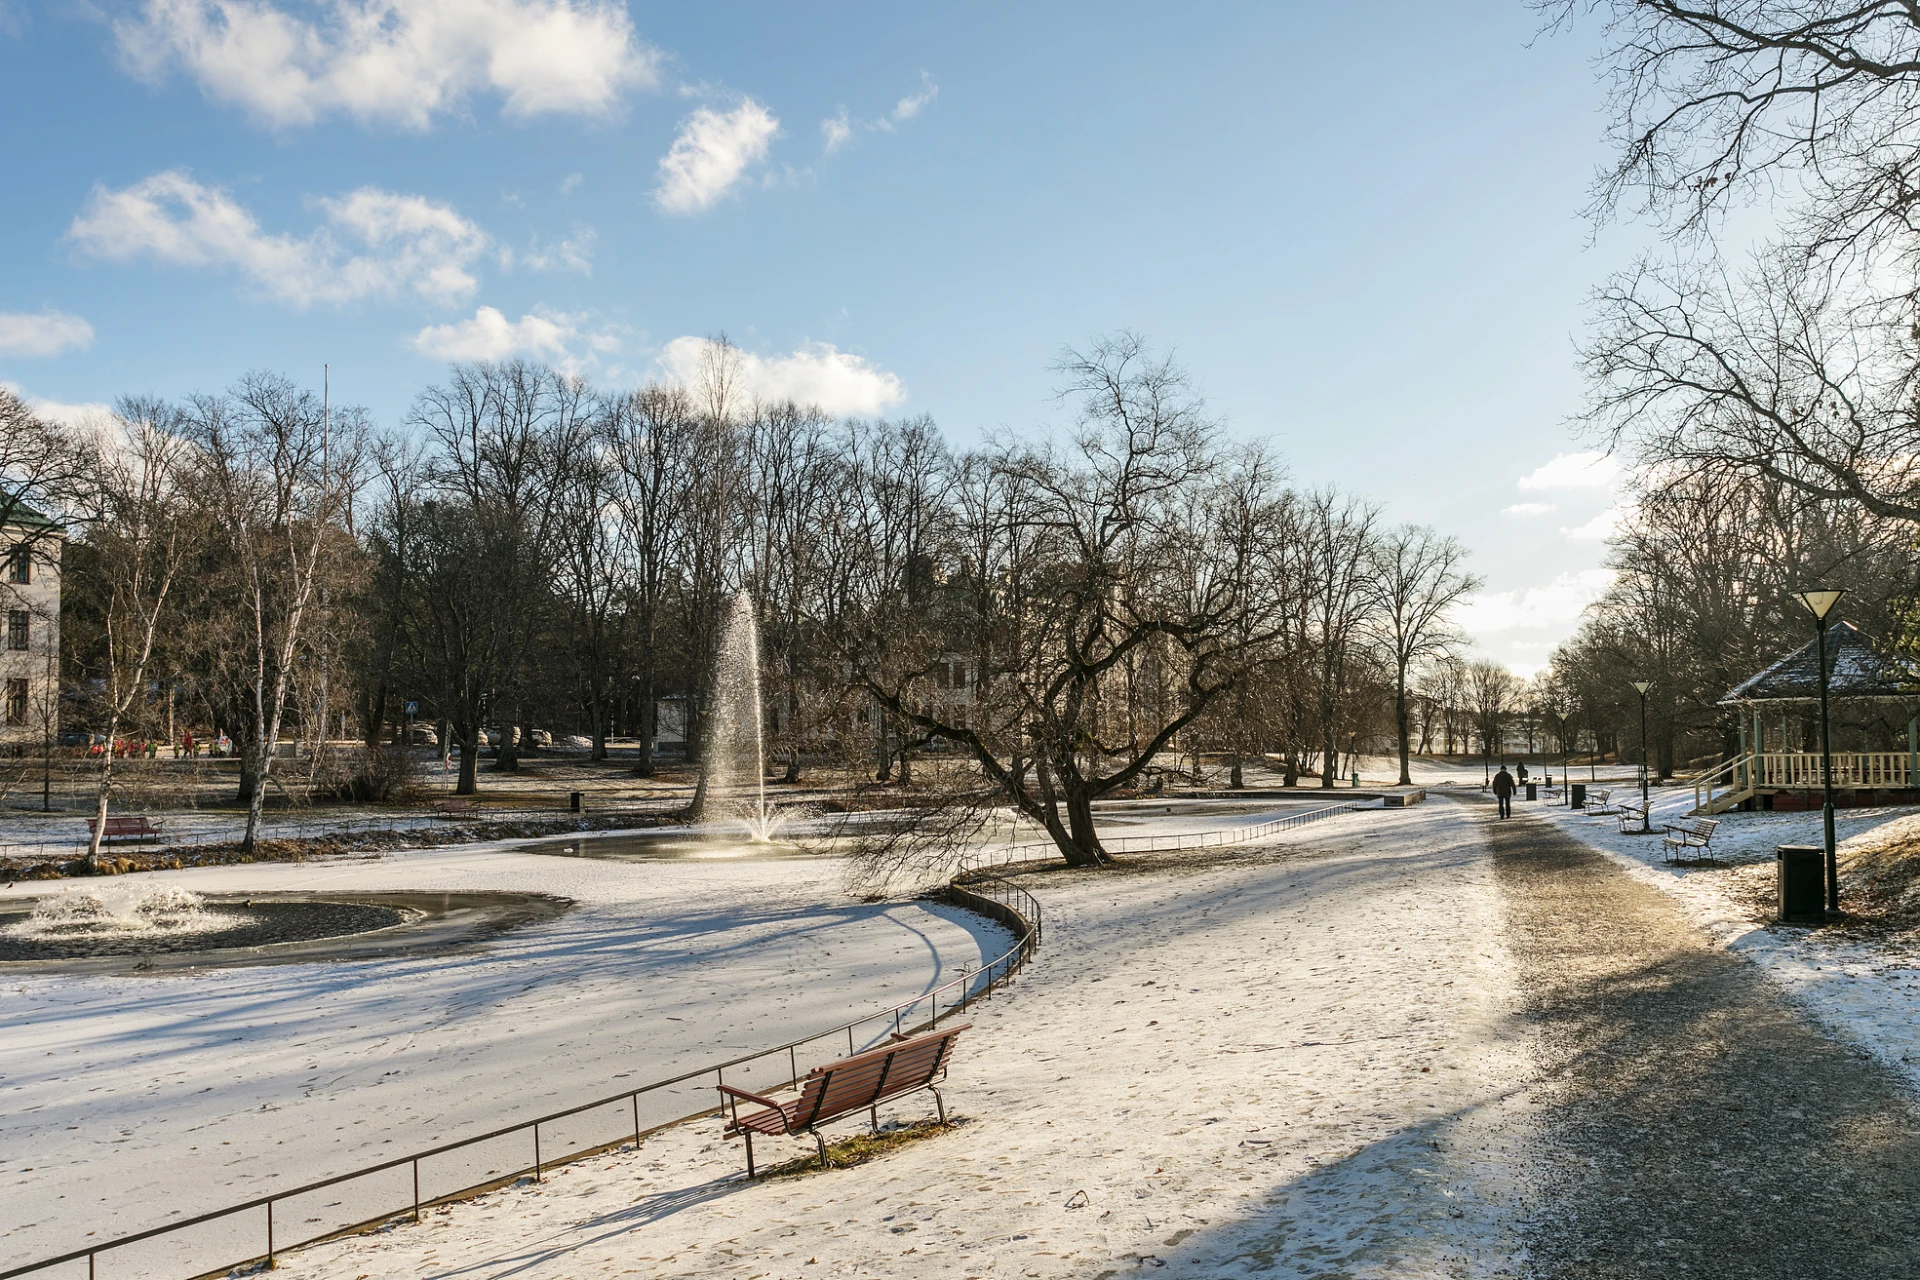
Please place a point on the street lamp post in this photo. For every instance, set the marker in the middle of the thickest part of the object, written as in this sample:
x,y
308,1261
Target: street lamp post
x,y
1820,604
1642,686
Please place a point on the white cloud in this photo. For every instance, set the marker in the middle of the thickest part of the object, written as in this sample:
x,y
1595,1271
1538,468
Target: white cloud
x,y
712,153
838,382
1600,528
556,336
47,333
838,130
373,243
1589,469
911,105
81,414
1554,606
395,61
1528,509
571,183
572,253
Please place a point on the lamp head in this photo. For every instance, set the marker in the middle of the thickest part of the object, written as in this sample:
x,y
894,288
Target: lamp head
x,y
1819,603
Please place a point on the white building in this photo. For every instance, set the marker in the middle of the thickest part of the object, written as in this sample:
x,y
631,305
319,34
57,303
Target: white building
x,y
30,550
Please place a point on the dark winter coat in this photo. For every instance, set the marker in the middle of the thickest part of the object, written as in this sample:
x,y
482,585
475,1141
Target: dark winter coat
x,y
1503,783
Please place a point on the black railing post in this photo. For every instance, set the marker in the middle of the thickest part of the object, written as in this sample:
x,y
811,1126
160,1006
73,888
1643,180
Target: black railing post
x,y
270,1263
416,1189
636,1122
536,1151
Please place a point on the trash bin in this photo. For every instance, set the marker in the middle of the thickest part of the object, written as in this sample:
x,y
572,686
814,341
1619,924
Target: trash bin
x,y
1802,875
1533,791
1578,792
574,799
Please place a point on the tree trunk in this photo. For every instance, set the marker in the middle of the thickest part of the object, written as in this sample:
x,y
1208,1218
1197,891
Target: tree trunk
x,y
648,723
1402,722
1084,849
469,760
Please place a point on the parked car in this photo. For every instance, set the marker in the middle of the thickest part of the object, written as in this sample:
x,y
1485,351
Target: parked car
x,y
577,742
540,737
423,736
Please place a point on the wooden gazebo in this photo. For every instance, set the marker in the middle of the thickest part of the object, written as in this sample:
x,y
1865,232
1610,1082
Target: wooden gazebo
x,y
1763,777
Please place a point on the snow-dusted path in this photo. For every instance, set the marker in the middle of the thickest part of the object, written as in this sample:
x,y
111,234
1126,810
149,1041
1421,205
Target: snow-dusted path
x,y
128,1100
1294,1057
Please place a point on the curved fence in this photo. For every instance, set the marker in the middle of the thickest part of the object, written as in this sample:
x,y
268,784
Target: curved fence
x,y
255,1231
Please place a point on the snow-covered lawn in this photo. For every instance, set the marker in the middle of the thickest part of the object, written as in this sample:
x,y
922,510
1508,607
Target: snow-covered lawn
x,y
127,1100
1865,992
1292,1056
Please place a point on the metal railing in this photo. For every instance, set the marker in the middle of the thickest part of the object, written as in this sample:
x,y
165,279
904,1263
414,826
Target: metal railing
x,y
1188,840
403,1187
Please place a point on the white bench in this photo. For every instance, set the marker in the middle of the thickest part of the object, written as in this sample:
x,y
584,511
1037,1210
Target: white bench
x,y
1684,834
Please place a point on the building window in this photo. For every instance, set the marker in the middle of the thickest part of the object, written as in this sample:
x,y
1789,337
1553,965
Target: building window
x,y
16,702
20,565
19,623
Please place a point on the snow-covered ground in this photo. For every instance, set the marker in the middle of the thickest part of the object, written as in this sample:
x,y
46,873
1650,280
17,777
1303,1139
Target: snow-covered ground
x,y
126,1100
1865,992
1293,1057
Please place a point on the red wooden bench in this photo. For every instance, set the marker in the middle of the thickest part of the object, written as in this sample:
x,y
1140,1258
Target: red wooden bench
x,y
140,828
839,1089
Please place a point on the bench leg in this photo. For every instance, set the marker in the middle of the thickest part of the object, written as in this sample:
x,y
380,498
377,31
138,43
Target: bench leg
x,y
821,1143
749,1134
873,1114
939,1102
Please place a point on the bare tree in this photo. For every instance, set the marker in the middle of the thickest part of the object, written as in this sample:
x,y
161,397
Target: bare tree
x,y
262,456
1715,98
1333,557
1121,558
139,536
1416,582
1491,688
653,436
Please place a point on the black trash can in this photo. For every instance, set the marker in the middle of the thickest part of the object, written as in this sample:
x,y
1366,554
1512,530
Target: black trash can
x,y
1578,792
574,801
1802,874
1533,791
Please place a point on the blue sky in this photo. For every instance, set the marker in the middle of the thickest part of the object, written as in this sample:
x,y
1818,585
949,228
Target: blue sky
x,y
1358,226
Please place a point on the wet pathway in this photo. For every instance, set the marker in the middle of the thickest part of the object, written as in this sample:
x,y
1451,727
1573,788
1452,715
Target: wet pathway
x,y
1690,1121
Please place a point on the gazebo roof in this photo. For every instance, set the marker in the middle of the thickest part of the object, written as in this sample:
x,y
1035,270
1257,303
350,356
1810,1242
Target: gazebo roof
x,y
1855,669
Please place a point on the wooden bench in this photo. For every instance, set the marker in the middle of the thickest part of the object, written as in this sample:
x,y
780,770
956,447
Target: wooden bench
x,y
1685,834
454,806
140,828
840,1089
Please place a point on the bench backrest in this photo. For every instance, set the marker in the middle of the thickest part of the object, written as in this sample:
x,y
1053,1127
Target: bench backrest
x,y
856,1083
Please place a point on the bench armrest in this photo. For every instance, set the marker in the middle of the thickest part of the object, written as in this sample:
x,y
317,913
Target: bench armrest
x,y
762,1099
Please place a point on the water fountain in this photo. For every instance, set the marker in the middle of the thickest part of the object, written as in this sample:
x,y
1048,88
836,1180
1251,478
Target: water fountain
x,y
733,774
736,751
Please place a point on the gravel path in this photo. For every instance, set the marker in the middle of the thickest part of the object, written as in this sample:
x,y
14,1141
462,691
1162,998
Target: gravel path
x,y
1690,1121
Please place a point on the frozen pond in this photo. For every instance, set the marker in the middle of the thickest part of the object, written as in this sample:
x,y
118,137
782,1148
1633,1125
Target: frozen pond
x,y
127,1099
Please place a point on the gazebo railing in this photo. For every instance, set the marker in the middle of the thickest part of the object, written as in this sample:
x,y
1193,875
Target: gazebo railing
x,y
1801,771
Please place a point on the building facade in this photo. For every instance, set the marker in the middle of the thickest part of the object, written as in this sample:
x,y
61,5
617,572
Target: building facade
x,y
30,550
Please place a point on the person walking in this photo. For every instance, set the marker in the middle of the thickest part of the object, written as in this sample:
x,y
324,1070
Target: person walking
x,y
1503,791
